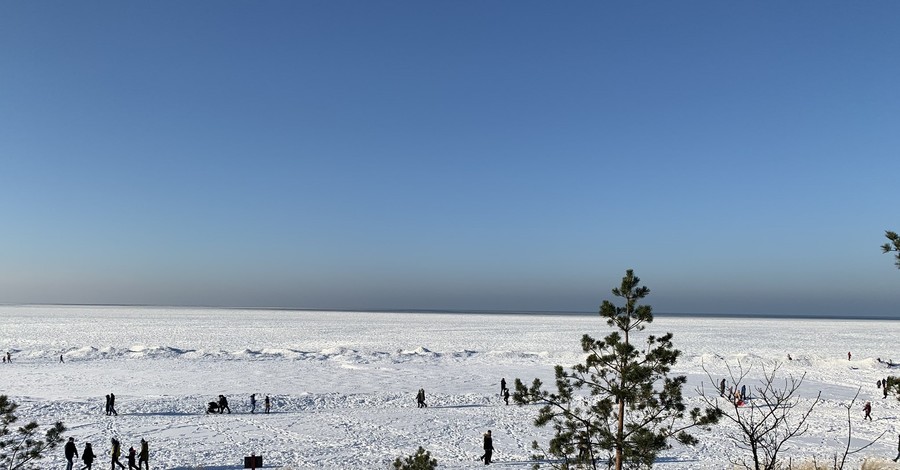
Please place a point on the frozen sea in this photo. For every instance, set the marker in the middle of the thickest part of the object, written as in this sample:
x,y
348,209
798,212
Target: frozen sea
x,y
343,384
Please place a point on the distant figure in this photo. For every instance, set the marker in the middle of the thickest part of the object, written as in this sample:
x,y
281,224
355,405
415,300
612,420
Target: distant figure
x,y
223,404
849,355
87,456
107,405
885,385
722,388
878,384
61,359
488,448
268,404
71,453
743,392
502,385
112,404
8,357
790,358
116,452
144,455
868,410
132,457
420,398
506,395
252,403
898,449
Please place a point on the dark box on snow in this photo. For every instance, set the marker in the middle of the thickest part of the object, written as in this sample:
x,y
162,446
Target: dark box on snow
x,y
249,462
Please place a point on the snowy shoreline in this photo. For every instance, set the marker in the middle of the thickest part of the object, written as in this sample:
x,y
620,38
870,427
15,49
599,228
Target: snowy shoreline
x,y
343,383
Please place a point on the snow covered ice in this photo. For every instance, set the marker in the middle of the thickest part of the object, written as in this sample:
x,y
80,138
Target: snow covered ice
x,y
343,384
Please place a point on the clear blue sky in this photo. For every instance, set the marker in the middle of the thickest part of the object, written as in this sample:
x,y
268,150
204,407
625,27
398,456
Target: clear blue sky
x,y
742,157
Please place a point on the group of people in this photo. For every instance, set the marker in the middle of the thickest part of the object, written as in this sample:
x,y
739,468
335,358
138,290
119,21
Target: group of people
x,y
267,403
420,399
111,405
739,396
135,458
221,405
504,392
7,358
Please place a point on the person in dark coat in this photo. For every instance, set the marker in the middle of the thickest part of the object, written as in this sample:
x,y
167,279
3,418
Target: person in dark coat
x,y
112,404
252,403
502,385
743,393
107,405
132,458
116,452
722,387
488,448
223,404
506,395
268,404
868,410
87,456
71,453
144,455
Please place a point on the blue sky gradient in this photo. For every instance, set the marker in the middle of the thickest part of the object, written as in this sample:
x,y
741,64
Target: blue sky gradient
x,y
741,157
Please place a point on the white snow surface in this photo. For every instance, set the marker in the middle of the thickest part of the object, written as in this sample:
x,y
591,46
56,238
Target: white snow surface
x,y
343,384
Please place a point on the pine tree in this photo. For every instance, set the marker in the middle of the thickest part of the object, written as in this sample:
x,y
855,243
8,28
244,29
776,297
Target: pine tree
x,y
421,460
19,450
894,245
621,400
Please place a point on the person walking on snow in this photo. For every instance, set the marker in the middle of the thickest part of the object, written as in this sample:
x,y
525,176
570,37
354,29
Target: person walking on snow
x,y
488,448
252,403
722,388
267,404
506,395
144,455
502,385
849,355
132,456
868,410
87,456
116,452
71,453
112,404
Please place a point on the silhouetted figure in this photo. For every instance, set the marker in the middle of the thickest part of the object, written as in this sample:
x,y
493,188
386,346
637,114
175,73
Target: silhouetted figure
x,y
223,404
268,404
116,452
252,403
112,404
868,410
71,453
849,355
790,358
488,448
506,395
420,398
144,455
132,459
87,456
722,388
61,359
107,405
502,385
743,393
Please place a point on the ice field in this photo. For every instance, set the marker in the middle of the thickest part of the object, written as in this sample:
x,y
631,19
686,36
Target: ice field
x,y
343,384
